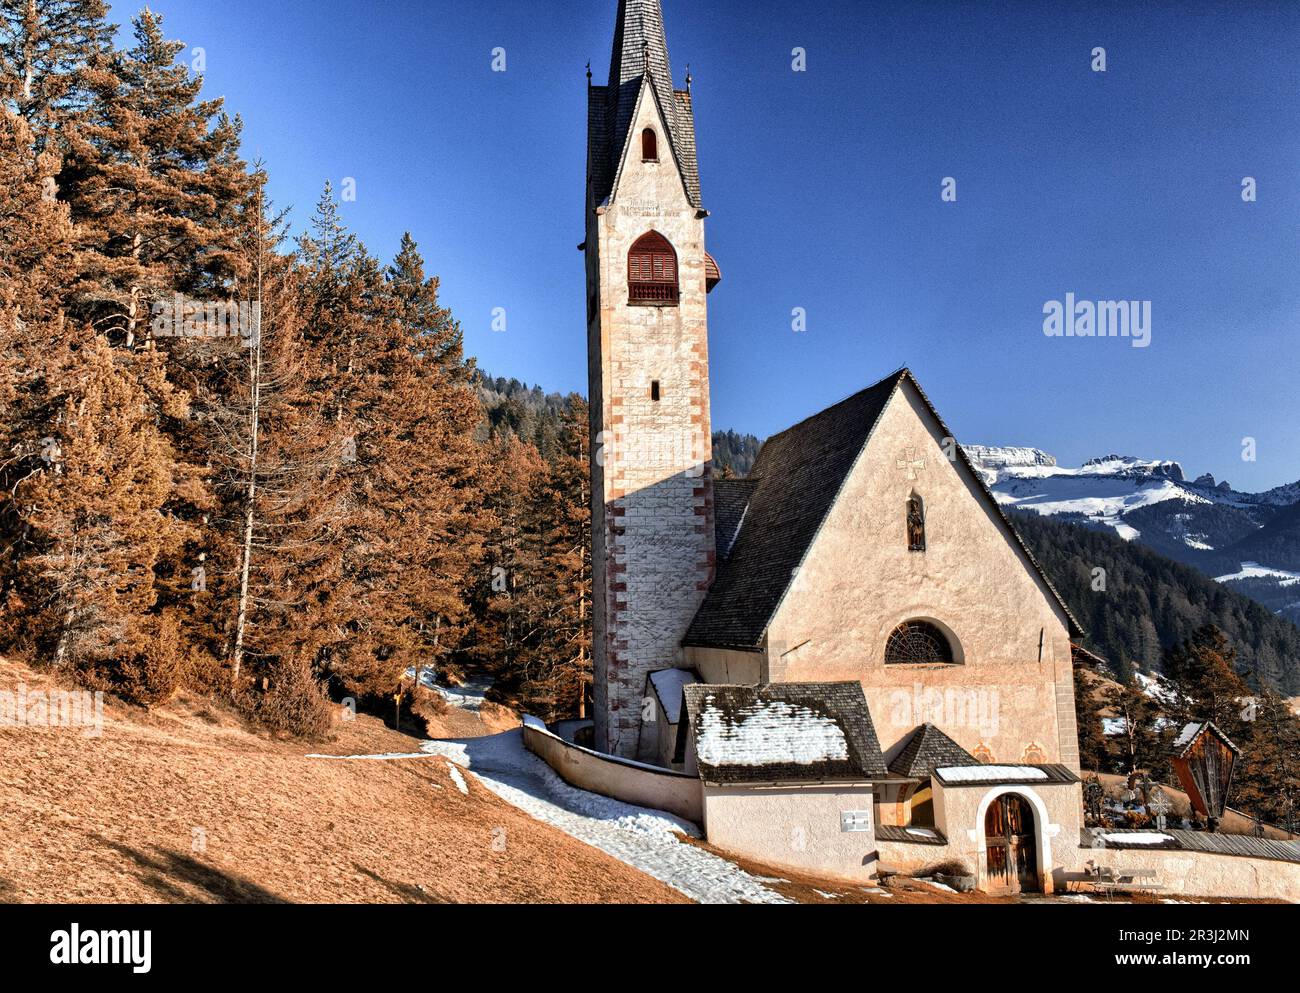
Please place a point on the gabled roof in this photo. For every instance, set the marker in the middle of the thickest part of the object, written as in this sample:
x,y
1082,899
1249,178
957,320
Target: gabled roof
x,y
783,733
640,53
799,474
666,684
926,749
1190,732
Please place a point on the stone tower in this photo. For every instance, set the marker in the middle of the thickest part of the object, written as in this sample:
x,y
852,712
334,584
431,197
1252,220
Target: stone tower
x,y
647,347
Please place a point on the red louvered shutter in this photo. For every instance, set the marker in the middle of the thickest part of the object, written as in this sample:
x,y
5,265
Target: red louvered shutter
x,y
652,270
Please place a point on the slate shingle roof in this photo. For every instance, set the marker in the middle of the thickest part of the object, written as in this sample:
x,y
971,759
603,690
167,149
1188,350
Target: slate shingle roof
x,y
640,50
730,498
1197,841
801,712
798,475
927,749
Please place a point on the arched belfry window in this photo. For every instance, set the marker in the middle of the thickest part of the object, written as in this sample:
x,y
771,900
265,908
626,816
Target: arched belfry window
x,y
649,145
652,270
915,524
917,643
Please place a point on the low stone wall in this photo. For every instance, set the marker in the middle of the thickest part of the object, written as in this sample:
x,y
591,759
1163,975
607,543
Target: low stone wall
x,y
915,857
1193,874
622,779
1180,874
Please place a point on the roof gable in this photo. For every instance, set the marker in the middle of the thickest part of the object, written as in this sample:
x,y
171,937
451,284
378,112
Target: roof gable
x,y
640,56
799,475
926,749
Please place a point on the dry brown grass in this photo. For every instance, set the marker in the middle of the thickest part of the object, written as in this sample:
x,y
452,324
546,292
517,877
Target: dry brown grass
x,y
113,819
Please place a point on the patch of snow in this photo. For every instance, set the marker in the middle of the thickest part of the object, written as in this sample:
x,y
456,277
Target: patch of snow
x,y
1253,570
1138,838
1188,732
469,697
938,885
1155,687
668,684
1191,542
770,732
922,832
984,773
827,896
648,840
457,778
534,722
1126,531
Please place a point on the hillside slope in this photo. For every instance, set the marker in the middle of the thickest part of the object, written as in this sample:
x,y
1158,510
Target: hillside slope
x,y
116,818
1150,602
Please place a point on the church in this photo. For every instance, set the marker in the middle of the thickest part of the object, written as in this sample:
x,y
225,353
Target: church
x,y
856,625
845,662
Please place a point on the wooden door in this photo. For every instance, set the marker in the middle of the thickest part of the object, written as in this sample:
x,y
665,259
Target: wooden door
x,y
1012,852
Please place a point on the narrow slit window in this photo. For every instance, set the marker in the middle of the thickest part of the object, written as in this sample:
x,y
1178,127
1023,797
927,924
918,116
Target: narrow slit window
x,y
654,390
649,145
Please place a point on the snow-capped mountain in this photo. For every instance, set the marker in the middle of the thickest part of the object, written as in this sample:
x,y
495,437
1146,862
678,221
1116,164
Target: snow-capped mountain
x,y
1101,492
1249,540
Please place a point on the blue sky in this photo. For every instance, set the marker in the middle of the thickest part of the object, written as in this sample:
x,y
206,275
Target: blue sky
x,y
824,189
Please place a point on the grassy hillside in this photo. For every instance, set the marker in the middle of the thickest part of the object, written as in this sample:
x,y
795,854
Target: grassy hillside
x,y
183,805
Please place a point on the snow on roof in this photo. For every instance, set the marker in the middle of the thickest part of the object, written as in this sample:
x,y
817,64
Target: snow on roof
x,y
1138,838
769,732
985,773
668,685
781,733
1186,735
1191,731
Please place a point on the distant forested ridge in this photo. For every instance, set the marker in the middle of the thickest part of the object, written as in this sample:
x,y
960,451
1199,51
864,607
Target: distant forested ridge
x,y
531,414
1150,603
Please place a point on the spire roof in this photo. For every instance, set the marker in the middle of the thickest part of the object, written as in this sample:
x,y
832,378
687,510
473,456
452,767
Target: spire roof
x,y
640,51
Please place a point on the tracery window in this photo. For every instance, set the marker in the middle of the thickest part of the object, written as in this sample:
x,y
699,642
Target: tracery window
x,y
916,643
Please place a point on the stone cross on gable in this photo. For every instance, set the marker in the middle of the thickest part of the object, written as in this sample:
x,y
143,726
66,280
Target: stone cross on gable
x,y
911,463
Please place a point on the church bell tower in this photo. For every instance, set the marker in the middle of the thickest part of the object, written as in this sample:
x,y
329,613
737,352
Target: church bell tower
x,y
648,366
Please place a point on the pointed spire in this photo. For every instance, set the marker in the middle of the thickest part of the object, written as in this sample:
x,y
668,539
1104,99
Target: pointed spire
x,y
640,53
640,50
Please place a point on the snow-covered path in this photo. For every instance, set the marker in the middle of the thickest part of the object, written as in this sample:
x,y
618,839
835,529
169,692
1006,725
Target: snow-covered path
x,y
645,839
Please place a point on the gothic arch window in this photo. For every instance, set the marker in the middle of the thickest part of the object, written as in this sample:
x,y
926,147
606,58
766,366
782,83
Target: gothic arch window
x,y
917,643
649,145
652,271
915,523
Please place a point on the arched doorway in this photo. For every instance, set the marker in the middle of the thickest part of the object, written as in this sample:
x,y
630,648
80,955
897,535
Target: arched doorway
x,y
1011,846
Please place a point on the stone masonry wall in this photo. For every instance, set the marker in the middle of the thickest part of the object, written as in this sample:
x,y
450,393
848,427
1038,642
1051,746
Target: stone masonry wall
x,y
653,529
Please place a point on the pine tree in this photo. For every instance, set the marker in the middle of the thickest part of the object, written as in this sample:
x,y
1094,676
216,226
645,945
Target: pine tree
x,y
1139,744
44,46
95,519
155,182
1207,685
1092,742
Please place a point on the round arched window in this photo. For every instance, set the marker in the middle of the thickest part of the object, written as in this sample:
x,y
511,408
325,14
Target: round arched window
x,y
652,270
917,642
